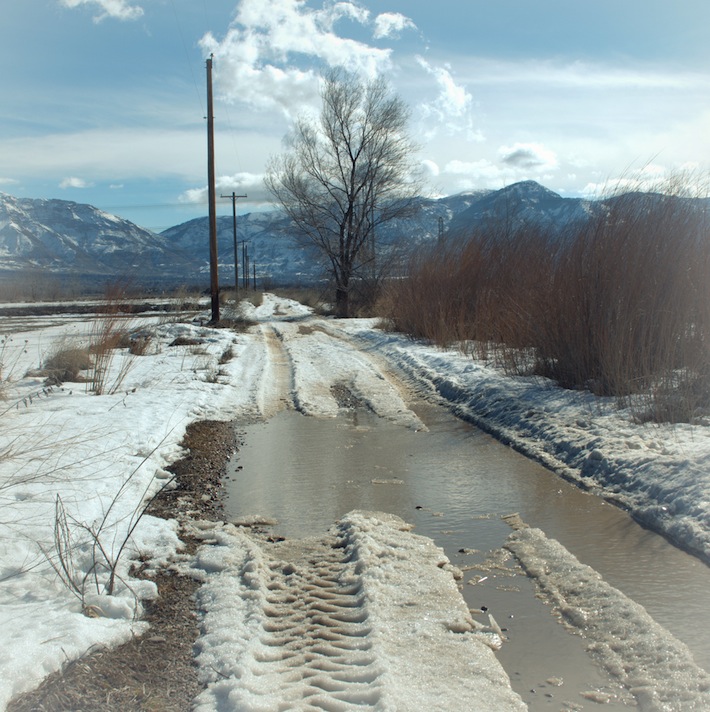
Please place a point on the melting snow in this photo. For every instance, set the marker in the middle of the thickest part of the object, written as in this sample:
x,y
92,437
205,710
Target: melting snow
x,y
657,668
368,617
102,455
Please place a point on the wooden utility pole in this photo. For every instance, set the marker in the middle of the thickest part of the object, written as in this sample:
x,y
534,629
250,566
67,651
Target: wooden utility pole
x,y
233,198
214,280
245,265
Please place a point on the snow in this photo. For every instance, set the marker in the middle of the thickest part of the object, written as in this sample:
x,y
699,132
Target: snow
x,y
658,669
660,473
87,462
375,590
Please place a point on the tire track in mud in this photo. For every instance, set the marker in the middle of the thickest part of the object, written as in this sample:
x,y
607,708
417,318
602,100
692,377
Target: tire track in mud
x,y
276,390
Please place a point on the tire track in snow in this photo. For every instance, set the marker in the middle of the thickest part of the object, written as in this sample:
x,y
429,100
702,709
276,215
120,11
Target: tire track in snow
x,y
324,360
302,640
368,617
276,387
317,651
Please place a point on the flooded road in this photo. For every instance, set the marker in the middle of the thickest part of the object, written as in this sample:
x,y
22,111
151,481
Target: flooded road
x,y
454,483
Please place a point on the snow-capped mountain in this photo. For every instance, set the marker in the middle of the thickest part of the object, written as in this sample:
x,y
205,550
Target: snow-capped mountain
x,y
66,238
63,237
279,259
524,202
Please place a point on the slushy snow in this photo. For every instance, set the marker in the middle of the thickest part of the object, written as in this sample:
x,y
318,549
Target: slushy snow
x,y
369,617
87,463
655,667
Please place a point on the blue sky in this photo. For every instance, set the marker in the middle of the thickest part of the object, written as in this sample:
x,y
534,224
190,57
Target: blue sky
x,y
104,100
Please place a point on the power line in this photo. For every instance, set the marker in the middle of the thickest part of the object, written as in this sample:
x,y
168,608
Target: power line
x,y
187,57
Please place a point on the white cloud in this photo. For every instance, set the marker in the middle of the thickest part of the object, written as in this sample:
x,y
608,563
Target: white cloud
x,y
454,99
431,168
390,24
249,184
271,56
116,9
580,75
107,155
647,178
528,156
452,109
472,175
74,182
473,172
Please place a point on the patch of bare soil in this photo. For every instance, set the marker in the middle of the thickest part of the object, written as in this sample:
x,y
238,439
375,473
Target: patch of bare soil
x,y
154,672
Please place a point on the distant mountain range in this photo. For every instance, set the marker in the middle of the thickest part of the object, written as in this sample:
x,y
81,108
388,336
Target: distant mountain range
x,y
72,240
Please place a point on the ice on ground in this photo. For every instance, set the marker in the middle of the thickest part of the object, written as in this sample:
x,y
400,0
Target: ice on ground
x,y
652,664
369,617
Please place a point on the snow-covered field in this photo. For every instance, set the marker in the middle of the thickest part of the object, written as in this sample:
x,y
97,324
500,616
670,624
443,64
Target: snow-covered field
x,y
75,468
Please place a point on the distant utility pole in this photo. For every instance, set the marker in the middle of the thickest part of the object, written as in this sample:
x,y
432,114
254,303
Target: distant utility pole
x,y
214,282
245,264
234,198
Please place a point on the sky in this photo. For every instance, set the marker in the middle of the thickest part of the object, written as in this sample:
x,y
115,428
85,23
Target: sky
x,y
105,100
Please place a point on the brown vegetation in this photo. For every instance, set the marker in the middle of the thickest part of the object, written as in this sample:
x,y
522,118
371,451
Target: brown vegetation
x,y
155,671
619,304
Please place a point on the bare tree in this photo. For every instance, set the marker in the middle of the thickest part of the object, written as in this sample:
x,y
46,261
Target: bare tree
x,y
345,174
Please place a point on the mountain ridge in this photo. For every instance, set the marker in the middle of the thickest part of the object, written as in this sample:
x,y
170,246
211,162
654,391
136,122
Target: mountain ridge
x,y
69,239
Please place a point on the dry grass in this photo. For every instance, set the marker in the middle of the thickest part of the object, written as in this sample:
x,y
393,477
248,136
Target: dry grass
x,y
156,671
109,333
619,305
66,362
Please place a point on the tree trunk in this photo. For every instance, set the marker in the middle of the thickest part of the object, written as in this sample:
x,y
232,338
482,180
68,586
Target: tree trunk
x,y
342,302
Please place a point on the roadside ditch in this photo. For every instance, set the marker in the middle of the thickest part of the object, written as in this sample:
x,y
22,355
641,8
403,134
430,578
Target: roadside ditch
x,y
155,672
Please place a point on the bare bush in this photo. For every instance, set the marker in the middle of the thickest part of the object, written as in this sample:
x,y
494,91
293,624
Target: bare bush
x,y
618,304
102,547
8,362
66,362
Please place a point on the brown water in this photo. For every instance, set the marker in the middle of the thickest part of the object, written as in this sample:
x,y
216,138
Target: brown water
x,y
453,483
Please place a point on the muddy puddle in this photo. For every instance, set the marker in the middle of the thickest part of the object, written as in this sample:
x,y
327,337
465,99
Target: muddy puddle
x,y
454,483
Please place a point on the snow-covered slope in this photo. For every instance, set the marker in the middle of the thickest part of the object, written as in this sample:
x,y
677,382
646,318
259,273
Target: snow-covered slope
x,y
524,202
68,238
73,238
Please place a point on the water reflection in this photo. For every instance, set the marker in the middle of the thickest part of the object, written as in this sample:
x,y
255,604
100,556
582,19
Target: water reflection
x,y
308,472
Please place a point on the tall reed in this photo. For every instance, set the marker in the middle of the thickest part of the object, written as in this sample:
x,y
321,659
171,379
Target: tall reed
x,y
618,304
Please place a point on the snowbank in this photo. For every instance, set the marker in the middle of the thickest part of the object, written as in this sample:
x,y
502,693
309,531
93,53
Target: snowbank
x,y
657,668
660,473
369,617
